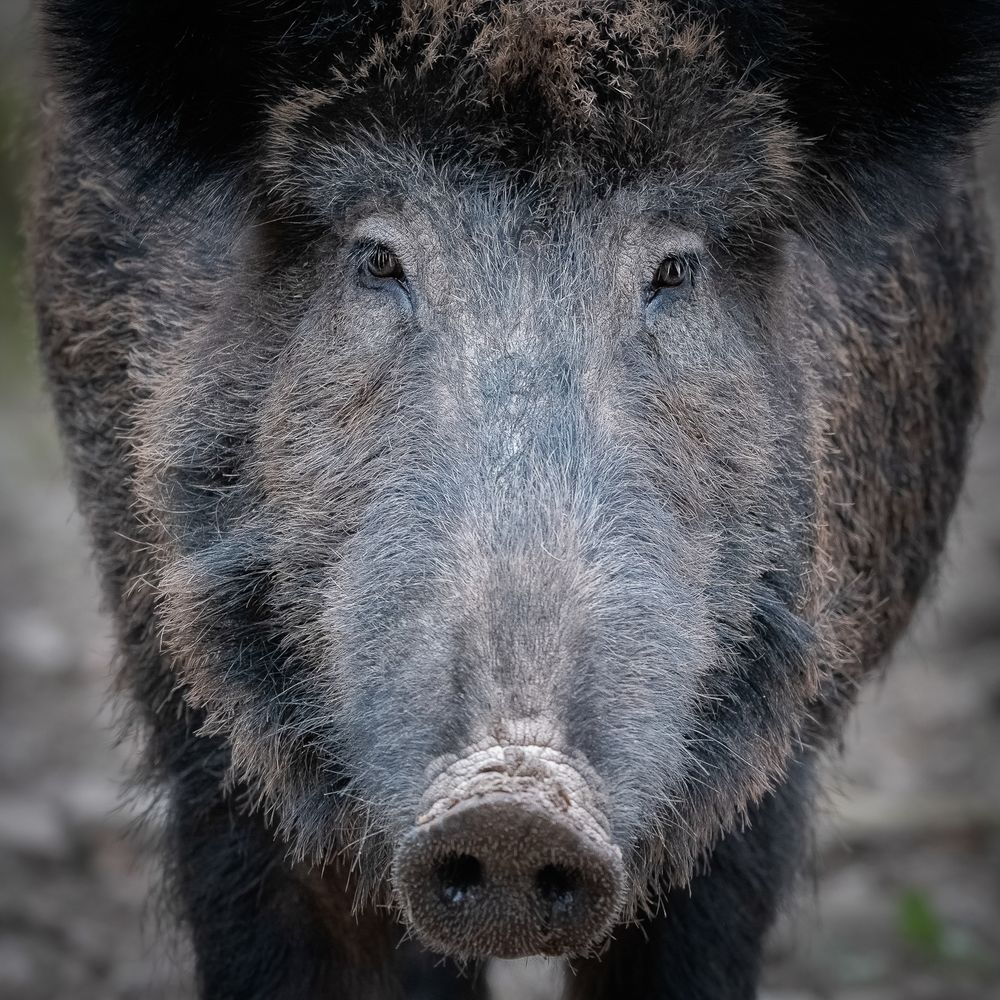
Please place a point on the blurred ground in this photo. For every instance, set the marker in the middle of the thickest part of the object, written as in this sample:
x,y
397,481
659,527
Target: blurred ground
x,y
907,896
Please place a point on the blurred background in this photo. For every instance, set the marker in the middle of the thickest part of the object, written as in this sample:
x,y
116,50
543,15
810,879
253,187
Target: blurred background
x,y
905,904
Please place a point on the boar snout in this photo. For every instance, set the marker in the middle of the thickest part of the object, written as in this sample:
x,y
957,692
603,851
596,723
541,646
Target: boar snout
x,y
512,858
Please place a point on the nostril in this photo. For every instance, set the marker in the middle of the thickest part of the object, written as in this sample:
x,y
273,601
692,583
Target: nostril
x,y
501,874
458,876
558,887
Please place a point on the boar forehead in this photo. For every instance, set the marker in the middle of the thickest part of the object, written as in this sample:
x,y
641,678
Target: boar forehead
x,y
568,96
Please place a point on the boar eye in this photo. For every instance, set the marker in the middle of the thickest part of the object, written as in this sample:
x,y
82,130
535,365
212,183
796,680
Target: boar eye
x,y
381,263
672,274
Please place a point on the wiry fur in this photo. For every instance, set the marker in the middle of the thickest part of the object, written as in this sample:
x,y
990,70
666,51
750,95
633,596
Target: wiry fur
x,y
343,542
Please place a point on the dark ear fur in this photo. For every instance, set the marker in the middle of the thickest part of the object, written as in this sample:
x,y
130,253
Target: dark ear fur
x,y
182,85
889,92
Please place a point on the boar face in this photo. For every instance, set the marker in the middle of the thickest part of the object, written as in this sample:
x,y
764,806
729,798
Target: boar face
x,y
468,462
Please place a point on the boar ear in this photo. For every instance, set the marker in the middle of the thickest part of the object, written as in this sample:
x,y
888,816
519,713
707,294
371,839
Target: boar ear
x,y
183,86
888,92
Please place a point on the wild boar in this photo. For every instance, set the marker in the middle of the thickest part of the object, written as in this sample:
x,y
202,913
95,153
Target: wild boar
x,y
510,432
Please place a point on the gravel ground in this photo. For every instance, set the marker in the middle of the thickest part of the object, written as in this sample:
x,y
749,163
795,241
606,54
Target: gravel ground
x,y
906,899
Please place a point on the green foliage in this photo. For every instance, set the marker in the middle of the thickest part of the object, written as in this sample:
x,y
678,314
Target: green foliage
x,y
933,938
919,924
16,347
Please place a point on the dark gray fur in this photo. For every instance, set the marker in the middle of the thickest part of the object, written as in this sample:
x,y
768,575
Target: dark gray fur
x,y
348,532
